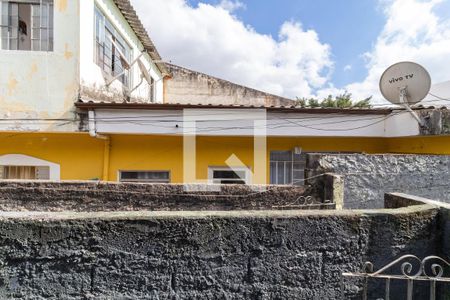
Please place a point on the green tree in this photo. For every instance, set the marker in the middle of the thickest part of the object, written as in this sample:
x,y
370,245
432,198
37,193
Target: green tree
x,y
341,101
313,103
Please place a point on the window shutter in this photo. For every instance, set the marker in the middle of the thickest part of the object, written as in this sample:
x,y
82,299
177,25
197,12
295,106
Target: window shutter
x,y
42,173
1,172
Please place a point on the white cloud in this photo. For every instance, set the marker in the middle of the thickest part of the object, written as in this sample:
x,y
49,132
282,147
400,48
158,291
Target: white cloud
x,y
211,39
330,89
231,5
413,32
347,68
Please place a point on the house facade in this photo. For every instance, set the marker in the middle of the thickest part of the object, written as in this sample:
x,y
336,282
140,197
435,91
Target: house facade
x,y
85,95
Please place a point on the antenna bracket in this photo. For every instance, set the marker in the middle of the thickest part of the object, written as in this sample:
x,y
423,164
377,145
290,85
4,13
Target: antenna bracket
x,y
404,102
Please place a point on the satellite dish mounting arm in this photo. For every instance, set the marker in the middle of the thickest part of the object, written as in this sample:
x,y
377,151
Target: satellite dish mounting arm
x,y
404,102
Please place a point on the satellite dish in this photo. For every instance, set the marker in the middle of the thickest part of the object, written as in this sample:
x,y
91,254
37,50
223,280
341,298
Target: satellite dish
x,y
144,72
405,83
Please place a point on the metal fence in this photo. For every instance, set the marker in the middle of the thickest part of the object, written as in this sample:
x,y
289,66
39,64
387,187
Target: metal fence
x,y
412,269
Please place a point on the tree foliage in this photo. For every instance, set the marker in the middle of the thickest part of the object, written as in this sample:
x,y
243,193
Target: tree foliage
x,y
341,101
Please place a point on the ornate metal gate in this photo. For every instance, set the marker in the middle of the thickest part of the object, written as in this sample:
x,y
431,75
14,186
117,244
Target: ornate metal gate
x,y
413,269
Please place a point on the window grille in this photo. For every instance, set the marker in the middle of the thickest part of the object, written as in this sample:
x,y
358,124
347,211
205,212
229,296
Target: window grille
x,y
287,168
109,45
145,176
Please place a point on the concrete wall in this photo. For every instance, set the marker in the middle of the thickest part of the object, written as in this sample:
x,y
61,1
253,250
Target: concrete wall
x,y
210,255
188,86
89,197
368,177
43,85
38,87
240,122
82,157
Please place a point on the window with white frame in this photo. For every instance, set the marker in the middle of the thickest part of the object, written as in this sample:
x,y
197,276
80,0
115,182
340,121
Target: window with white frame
x,y
26,25
225,175
287,168
112,53
145,176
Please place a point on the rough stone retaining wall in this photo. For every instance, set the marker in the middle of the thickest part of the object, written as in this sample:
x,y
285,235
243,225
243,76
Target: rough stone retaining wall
x,y
85,196
368,177
202,255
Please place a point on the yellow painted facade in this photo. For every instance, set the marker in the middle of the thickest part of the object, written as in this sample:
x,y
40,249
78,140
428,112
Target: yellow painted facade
x,y
82,157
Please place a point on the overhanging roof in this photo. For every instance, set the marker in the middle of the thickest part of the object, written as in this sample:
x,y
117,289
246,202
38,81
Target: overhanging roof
x,y
171,106
128,11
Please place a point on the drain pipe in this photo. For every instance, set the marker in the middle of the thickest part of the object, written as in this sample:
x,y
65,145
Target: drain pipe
x,y
106,147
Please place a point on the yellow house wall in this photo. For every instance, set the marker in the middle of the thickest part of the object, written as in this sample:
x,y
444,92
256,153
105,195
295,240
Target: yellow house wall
x,y
82,157
420,145
79,155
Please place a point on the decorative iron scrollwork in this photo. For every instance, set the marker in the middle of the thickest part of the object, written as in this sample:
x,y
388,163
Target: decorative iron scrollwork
x,y
412,269
408,268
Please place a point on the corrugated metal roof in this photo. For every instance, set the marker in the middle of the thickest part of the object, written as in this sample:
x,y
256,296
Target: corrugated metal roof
x,y
132,18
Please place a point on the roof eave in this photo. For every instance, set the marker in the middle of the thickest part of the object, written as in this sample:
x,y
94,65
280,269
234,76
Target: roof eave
x,y
168,106
129,13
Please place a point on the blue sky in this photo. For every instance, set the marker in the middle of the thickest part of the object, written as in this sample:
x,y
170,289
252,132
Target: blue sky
x,y
301,48
350,28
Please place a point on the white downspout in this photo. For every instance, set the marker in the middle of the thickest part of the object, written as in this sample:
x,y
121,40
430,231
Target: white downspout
x,y
107,146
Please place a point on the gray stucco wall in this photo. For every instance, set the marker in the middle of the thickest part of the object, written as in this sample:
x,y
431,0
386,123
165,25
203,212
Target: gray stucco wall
x,y
208,255
188,86
368,177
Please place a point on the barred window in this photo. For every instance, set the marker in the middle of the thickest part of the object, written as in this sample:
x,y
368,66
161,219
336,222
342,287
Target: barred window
x,y
145,176
111,50
287,168
26,25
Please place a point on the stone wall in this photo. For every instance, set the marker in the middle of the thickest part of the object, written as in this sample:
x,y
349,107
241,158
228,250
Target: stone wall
x,y
437,121
368,177
93,196
203,255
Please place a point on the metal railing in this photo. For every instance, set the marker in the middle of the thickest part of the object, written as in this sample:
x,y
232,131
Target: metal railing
x,y
429,269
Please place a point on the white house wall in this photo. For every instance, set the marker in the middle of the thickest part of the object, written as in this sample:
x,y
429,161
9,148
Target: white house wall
x,y
43,85
91,75
401,124
170,122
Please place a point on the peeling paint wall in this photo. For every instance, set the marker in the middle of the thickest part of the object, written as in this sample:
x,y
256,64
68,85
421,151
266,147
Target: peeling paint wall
x,y
38,87
93,79
43,85
187,86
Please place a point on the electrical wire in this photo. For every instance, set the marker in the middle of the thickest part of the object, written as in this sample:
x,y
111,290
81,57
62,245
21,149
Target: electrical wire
x,y
143,120
210,129
438,98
